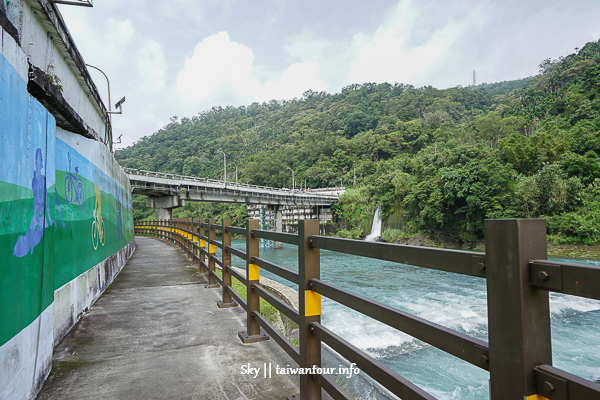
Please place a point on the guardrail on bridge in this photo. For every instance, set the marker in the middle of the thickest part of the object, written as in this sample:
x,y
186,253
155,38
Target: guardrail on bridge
x,y
519,279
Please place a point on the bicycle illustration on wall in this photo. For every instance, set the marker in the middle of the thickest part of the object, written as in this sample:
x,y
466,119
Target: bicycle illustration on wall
x,y
98,223
73,186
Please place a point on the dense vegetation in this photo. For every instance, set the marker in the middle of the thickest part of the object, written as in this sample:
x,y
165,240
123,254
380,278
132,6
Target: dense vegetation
x,y
440,161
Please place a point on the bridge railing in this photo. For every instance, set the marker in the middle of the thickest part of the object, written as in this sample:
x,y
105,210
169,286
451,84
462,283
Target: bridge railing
x,y
518,276
183,178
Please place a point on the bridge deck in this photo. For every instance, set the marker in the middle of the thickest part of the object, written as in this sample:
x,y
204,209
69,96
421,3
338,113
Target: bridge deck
x,y
156,333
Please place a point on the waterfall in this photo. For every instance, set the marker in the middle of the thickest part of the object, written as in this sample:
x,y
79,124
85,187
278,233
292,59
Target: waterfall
x,y
375,227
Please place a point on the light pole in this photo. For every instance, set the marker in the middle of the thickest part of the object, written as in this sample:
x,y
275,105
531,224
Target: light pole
x,y
118,105
293,179
236,168
224,166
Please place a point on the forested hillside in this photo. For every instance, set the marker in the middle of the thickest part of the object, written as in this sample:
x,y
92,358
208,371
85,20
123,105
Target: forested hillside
x,y
439,161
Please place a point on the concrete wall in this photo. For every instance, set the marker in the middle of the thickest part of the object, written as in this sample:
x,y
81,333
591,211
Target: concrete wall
x,y
66,226
48,54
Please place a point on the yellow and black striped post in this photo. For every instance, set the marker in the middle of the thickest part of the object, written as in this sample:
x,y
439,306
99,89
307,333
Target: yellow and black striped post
x,y
226,262
189,242
202,243
253,333
194,241
212,283
309,267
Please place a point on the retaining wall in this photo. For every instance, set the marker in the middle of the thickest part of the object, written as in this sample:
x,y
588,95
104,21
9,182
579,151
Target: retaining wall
x,y
66,226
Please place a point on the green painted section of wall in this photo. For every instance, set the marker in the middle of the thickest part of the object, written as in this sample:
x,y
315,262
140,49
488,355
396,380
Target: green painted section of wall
x,y
74,246
67,252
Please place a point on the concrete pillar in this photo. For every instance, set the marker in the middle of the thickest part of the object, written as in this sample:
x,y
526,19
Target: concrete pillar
x,y
165,205
165,213
278,224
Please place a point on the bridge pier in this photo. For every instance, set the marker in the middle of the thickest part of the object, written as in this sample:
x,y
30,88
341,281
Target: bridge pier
x,y
165,205
278,224
165,213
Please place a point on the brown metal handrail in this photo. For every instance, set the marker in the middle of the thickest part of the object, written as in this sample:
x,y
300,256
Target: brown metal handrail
x,y
460,345
457,261
504,238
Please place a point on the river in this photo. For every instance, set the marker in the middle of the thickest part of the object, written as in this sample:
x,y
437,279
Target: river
x,y
452,300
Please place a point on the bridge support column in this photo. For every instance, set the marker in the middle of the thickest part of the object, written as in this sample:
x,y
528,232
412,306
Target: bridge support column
x,y
165,205
278,224
165,213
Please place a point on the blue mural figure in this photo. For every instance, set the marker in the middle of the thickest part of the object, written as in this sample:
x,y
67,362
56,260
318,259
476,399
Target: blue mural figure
x,y
25,244
73,186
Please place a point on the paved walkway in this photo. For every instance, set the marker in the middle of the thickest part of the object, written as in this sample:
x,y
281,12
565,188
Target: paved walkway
x,y
156,333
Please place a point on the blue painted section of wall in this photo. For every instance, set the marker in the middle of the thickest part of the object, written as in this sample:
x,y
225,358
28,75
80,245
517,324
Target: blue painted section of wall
x,y
23,126
86,170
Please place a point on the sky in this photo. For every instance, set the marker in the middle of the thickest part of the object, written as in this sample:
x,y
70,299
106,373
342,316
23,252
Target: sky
x,y
182,57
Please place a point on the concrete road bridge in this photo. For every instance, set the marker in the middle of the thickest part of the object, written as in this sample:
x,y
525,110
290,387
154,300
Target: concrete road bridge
x,y
167,191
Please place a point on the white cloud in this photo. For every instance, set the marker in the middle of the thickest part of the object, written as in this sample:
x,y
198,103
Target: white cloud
x,y
217,66
223,70
151,66
402,49
294,81
121,31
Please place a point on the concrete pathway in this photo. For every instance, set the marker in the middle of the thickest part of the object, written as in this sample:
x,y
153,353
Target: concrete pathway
x,y
156,333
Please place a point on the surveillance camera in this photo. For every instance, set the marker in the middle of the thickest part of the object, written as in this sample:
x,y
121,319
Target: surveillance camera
x,y
120,102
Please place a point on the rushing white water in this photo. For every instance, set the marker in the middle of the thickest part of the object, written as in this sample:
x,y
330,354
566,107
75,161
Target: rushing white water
x,y
375,227
455,301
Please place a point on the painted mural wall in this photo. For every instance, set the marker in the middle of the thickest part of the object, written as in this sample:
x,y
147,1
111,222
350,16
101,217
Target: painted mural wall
x,y
66,228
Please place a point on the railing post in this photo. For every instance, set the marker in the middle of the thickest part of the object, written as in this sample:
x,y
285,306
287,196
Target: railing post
x,y
212,283
190,236
202,232
180,232
309,267
188,240
518,315
172,231
226,260
254,333
194,241
184,236
180,227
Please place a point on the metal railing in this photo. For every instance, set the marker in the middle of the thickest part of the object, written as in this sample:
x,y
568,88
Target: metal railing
x,y
189,181
518,276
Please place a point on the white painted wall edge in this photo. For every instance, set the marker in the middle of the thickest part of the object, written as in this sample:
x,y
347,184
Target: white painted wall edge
x,y
75,297
26,359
